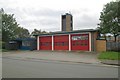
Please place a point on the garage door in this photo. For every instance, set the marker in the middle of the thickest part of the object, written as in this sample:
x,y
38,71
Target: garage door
x,y
61,42
80,42
45,43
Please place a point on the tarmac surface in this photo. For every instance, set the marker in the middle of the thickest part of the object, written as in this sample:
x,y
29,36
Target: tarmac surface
x,y
62,56
54,64
31,68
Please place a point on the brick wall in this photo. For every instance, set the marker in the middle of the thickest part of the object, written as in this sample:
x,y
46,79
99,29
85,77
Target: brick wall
x,y
101,45
68,23
95,42
94,36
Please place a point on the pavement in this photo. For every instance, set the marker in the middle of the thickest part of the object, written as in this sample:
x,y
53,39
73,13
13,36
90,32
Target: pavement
x,y
62,56
110,62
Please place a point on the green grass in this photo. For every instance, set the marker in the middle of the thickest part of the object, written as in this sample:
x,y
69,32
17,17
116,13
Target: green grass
x,y
3,50
110,55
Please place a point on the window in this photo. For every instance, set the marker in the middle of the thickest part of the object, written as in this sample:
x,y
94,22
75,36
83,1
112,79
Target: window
x,y
66,43
61,43
57,44
25,43
77,43
45,43
73,43
86,43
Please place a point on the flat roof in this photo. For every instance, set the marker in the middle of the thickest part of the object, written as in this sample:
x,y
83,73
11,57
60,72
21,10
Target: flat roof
x,y
23,39
68,32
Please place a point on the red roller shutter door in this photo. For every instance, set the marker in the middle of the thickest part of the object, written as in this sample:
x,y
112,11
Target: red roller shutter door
x,y
61,42
80,42
45,43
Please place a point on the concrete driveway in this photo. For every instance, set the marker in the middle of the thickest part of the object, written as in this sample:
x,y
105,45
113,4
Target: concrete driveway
x,y
66,56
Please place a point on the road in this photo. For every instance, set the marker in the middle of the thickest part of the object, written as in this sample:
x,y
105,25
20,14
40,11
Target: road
x,y
25,68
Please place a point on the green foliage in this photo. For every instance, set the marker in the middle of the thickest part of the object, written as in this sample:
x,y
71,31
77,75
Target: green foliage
x,y
9,25
0,26
110,19
11,29
21,32
2,45
109,55
4,50
36,32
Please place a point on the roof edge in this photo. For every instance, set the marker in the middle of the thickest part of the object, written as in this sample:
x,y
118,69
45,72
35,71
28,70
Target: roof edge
x,y
68,32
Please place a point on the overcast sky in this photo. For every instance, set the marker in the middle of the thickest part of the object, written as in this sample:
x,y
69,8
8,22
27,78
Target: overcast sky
x,y
46,14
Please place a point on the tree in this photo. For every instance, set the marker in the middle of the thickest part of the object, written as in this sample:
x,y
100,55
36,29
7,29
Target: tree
x,y
44,32
11,29
22,33
9,25
1,11
37,32
110,19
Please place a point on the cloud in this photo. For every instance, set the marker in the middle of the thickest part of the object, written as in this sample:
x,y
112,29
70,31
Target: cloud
x,y
86,21
42,18
46,14
48,19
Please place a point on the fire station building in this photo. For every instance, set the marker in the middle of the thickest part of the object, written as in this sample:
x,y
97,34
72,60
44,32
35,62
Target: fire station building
x,y
80,40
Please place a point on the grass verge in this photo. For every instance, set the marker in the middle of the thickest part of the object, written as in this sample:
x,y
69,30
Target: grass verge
x,y
110,55
3,50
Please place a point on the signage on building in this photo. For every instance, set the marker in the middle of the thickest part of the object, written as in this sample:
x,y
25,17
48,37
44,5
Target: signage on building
x,y
83,37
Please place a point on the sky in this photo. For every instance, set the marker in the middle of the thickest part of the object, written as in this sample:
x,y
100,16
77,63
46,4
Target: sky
x,y
46,14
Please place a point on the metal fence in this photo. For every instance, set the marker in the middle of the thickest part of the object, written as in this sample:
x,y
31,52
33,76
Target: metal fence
x,y
113,46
